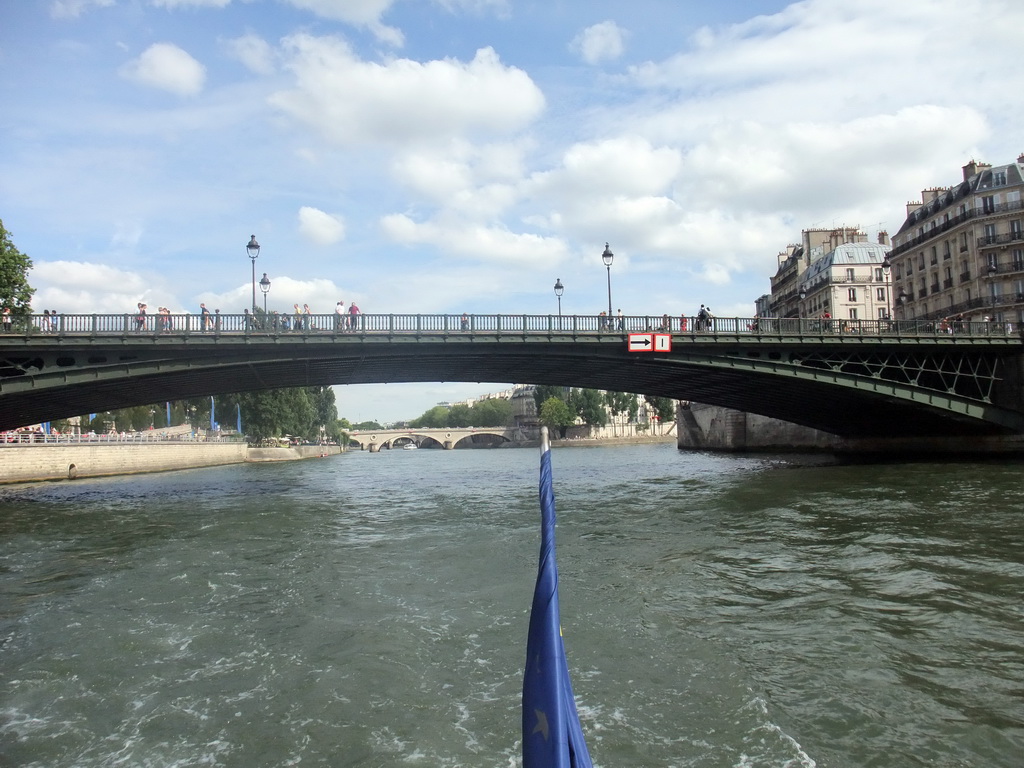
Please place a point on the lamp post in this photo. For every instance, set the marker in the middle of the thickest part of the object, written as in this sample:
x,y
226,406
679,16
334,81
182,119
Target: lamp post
x,y
253,249
886,266
265,287
559,288
992,270
607,257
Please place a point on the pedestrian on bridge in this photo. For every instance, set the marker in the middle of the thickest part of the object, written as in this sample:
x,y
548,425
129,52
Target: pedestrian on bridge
x,y
353,316
339,315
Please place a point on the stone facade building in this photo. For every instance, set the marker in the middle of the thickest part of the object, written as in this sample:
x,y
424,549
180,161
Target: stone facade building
x,y
960,252
834,271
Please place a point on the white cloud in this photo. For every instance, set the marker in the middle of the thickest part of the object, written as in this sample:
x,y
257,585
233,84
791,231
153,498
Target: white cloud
x,y
254,52
359,13
320,228
600,42
167,67
493,245
349,101
72,9
190,3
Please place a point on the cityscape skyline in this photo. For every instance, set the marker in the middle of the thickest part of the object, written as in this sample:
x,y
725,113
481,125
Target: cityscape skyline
x,y
462,156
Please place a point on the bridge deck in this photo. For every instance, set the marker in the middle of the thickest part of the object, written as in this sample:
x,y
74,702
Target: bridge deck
x,y
853,377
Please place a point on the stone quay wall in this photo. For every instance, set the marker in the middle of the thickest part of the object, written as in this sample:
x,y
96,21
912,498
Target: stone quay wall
x,y
28,463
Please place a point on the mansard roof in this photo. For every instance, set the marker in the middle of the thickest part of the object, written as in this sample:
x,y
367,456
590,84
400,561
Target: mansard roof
x,y
979,183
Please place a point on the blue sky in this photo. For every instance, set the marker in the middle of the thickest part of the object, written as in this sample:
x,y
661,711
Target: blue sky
x,y
460,155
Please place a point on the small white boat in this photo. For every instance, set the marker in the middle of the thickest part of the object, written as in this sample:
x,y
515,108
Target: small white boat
x,y
410,447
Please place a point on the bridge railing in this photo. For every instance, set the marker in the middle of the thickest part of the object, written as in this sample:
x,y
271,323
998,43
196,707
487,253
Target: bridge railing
x,y
215,324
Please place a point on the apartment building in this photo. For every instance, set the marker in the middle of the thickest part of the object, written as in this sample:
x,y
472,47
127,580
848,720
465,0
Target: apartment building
x,y
961,249
833,271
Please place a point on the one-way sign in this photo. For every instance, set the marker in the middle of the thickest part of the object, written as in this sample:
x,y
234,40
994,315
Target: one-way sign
x,y
641,342
650,342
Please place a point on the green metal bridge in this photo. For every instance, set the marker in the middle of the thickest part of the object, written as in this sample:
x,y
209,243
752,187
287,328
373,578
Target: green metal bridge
x,y
857,379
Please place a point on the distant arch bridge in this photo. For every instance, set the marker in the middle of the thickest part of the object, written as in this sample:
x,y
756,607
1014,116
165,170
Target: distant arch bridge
x,y
448,438
853,379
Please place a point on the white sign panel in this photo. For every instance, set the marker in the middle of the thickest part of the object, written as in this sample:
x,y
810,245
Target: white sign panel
x,y
641,342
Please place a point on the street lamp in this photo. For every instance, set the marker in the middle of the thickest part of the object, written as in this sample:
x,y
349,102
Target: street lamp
x,y
559,288
253,249
992,270
607,257
265,287
886,266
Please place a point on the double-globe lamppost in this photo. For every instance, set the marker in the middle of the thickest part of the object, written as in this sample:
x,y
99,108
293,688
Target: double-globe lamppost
x,y
253,249
559,289
886,266
265,287
607,257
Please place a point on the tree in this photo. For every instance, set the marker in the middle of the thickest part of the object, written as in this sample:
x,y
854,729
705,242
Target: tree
x,y
436,418
664,407
460,415
15,292
492,412
542,392
556,416
589,406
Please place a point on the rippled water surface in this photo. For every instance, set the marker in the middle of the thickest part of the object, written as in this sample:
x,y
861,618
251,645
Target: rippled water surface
x,y
371,610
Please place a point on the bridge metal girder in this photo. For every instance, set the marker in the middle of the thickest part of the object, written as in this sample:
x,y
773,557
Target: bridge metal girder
x,y
840,387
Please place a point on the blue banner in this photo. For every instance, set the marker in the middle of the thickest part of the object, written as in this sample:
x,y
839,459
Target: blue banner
x,y
238,426
168,414
213,424
552,735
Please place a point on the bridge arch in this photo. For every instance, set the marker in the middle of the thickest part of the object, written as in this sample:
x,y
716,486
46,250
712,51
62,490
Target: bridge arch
x,y
861,385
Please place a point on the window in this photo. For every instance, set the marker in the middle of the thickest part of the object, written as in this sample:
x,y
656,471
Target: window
x,y
1018,259
880,294
988,204
849,275
852,294
1015,230
853,313
990,234
999,178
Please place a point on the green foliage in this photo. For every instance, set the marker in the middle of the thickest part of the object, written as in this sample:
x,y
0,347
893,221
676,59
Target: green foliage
x,y
556,416
435,418
460,415
15,292
543,392
664,407
364,425
493,412
589,406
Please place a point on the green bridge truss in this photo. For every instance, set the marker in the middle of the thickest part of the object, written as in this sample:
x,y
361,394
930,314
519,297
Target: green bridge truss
x,y
866,379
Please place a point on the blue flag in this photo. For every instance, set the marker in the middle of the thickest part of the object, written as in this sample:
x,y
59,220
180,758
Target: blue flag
x,y
238,425
168,414
213,409
552,736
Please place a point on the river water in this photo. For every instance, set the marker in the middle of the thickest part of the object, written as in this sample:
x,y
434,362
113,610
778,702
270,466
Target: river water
x,y
371,610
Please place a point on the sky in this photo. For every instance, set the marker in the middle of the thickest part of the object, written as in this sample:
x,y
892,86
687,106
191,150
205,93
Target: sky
x,y
450,156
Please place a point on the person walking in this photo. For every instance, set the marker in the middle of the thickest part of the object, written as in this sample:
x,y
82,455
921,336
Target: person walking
x,y
353,316
339,315
204,318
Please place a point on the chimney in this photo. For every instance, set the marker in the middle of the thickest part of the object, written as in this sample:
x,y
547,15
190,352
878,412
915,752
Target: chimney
x,y
974,167
911,207
1020,157
883,238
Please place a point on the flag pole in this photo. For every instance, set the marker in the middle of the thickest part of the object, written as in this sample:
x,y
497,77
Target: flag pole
x,y
552,735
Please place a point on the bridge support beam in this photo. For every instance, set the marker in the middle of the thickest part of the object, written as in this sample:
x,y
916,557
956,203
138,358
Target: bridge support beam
x,y
374,448
449,445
